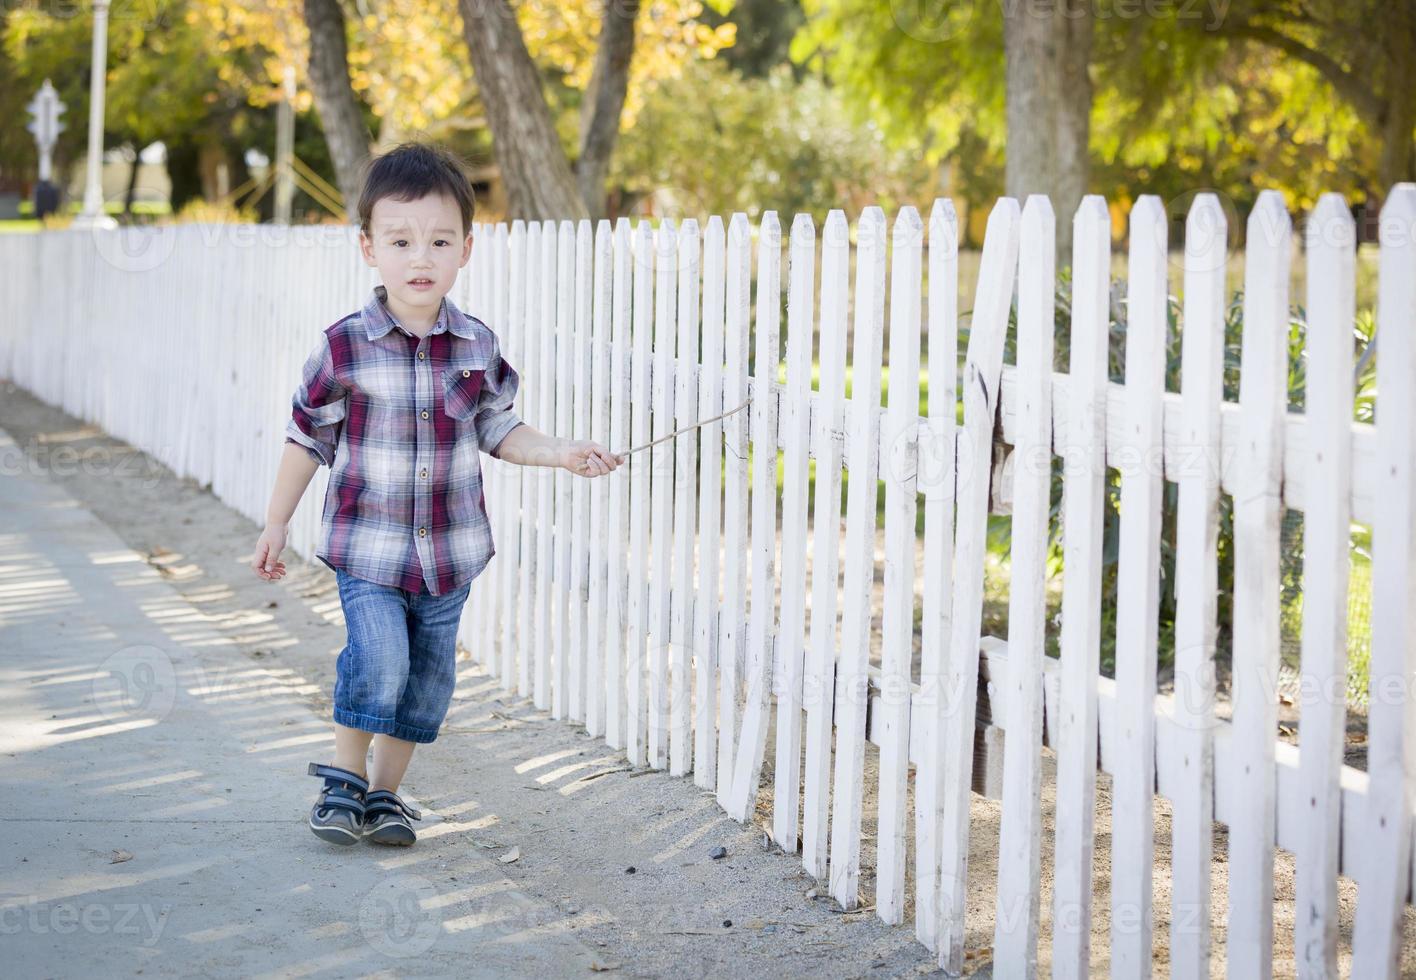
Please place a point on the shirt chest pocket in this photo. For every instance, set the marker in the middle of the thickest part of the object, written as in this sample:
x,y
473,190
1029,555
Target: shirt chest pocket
x,y
462,389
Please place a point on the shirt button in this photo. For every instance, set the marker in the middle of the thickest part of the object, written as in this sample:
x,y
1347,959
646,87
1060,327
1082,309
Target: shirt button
x,y
467,374
425,413
422,354
424,474
422,532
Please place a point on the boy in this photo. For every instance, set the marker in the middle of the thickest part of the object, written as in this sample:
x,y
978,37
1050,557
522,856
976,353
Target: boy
x,y
398,400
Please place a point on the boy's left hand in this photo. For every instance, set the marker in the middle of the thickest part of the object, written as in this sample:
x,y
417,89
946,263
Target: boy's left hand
x,y
589,459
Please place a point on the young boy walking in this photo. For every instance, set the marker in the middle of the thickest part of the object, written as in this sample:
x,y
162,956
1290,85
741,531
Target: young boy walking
x,y
399,399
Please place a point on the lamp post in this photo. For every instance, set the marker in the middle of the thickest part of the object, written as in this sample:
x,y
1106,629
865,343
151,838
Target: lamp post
x,y
45,108
93,215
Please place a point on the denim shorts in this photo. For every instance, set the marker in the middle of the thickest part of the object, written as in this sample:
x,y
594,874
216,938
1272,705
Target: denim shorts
x,y
396,674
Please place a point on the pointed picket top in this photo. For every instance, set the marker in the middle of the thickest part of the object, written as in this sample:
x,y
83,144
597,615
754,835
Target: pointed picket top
x,y
871,226
908,229
714,226
1269,223
1148,219
1206,235
602,227
769,230
1038,216
837,229
944,223
1091,213
803,238
518,225
738,225
1330,226
1398,216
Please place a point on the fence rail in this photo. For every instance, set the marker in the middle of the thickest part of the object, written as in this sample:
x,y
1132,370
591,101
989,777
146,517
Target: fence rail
x,y
687,608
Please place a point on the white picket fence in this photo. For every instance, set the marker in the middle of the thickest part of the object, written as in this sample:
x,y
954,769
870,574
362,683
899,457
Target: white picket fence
x,y
622,603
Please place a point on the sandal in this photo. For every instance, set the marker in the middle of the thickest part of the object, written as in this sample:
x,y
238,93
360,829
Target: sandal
x,y
338,815
386,819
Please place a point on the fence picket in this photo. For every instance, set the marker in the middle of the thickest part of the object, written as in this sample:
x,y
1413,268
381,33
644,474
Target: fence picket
x,y
901,437
561,600
710,509
661,498
796,435
954,719
936,483
545,478
1331,237
752,739
1138,594
733,650
580,530
639,472
601,541
685,451
1391,723
1082,501
852,685
828,437
1020,831
509,485
1258,511
1196,534
531,626
617,598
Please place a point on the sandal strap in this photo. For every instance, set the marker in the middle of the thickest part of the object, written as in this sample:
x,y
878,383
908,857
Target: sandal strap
x,y
342,798
387,801
336,775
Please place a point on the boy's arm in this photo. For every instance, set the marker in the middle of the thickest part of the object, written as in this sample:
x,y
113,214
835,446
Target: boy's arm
x,y
528,446
297,467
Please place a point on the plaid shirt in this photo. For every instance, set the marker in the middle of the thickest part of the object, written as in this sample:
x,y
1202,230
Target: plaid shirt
x,y
400,420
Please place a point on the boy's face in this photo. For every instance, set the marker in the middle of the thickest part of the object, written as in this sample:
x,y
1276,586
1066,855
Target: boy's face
x,y
417,246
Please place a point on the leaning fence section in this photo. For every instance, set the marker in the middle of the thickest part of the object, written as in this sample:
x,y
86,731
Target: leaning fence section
x,y
712,608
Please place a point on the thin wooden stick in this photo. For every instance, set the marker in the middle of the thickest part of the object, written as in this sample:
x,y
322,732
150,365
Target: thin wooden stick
x,y
687,428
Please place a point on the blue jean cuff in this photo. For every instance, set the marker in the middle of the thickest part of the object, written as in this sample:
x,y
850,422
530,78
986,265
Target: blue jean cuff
x,y
383,726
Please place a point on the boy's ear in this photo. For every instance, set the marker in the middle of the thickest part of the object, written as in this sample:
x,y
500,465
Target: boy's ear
x,y
466,249
366,249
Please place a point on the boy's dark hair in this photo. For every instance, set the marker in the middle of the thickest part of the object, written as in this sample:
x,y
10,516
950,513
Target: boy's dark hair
x,y
413,170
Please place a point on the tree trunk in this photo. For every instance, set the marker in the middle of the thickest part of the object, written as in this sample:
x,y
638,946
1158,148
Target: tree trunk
x,y
132,181
534,169
1074,102
604,101
1047,50
340,118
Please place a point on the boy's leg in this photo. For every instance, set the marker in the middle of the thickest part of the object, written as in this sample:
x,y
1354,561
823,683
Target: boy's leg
x,y
351,749
432,667
372,669
391,758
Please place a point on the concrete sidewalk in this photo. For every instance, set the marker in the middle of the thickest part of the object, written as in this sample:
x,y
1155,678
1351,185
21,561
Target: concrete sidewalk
x,y
159,700
151,820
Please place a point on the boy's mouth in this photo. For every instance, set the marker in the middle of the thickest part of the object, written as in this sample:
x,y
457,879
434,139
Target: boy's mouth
x,y
420,283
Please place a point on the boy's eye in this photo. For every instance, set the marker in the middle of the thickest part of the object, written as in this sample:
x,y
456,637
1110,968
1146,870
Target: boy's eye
x,y
442,241
401,242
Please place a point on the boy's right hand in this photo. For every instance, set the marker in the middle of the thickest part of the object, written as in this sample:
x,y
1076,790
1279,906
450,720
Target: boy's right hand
x,y
266,561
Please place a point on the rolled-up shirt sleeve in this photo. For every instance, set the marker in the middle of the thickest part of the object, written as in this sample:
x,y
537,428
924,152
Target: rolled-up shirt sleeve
x,y
495,416
318,406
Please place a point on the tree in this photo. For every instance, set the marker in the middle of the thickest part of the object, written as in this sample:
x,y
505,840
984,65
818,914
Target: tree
x,y
1365,50
1047,46
534,168
340,117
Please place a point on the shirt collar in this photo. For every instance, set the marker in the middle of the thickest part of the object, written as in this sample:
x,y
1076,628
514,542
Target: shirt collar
x,y
379,321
